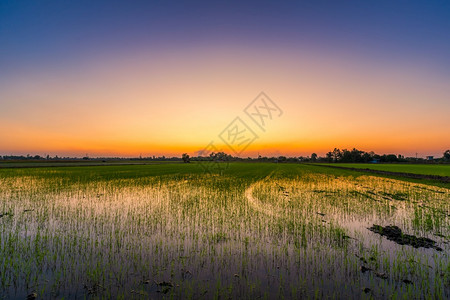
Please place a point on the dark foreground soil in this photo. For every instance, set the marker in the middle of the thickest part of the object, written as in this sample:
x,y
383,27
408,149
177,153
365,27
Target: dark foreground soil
x,y
395,234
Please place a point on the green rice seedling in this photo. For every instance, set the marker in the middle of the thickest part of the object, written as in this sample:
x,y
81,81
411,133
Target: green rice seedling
x,y
285,230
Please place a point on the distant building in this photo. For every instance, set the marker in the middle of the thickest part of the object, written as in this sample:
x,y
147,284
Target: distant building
x,y
374,161
430,157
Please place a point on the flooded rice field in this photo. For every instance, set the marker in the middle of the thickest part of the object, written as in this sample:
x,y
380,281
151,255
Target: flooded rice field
x,y
256,231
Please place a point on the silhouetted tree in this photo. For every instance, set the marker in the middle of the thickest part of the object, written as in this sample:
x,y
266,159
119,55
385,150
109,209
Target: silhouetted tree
x,y
389,158
366,157
185,157
220,156
337,155
447,155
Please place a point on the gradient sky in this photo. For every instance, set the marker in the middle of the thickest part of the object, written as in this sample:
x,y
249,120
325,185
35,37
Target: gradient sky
x,y
112,78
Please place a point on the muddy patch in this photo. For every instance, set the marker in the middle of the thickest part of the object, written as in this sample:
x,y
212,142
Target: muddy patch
x,y
395,234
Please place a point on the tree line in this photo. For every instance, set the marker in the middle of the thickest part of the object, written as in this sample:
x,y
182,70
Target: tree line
x,y
335,156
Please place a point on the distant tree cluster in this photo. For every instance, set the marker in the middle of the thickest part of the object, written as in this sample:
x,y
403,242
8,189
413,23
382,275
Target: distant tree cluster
x,y
358,156
84,158
217,157
185,157
446,155
22,157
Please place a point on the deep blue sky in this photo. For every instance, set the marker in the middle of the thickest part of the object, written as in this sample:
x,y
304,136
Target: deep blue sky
x,y
34,34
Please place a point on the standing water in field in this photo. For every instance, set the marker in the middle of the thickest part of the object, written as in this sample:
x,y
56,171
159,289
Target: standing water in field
x,y
298,234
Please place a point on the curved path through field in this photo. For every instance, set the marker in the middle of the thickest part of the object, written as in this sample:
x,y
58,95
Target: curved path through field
x,y
256,204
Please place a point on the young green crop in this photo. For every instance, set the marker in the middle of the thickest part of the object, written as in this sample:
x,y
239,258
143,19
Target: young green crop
x,y
257,230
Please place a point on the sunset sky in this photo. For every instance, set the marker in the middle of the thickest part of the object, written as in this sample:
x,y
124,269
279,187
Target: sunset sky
x,y
132,78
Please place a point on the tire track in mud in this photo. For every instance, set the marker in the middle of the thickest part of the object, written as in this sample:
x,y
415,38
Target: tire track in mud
x,y
255,203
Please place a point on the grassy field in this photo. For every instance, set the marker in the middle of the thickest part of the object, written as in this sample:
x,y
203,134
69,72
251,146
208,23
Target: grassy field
x,y
431,169
255,230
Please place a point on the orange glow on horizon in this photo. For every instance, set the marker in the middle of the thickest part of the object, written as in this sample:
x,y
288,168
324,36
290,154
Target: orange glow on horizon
x,y
171,103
